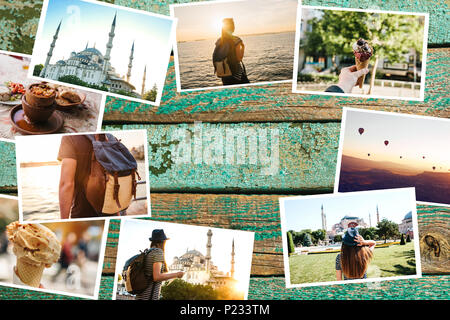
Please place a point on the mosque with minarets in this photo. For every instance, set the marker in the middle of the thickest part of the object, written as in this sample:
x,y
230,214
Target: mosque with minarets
x,y
92,67
200,269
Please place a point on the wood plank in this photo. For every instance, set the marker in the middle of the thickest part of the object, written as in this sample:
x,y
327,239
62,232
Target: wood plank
x,y
203,157
260,214
8,173
276,102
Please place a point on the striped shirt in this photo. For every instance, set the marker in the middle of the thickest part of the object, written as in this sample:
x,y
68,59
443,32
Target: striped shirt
x,y
154,287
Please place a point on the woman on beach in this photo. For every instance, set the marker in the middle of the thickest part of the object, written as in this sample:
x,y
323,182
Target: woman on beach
x,y
355,256
228,55
156,267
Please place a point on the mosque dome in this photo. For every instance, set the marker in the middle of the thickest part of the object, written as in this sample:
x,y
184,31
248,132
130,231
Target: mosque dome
x,y
408,216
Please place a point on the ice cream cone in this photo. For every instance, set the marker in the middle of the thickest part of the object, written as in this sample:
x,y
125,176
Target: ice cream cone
x,y
30,274
361,65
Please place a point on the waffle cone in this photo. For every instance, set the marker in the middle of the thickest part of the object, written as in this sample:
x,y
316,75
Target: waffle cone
x,y
29,274
361,65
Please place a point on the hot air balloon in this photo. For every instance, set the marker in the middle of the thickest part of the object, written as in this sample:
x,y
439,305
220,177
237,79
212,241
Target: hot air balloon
x,y
401,157
434,168
368,154
361,130
423,157
386,142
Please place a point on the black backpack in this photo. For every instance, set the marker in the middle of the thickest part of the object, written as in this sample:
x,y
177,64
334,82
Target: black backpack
x,y
134,273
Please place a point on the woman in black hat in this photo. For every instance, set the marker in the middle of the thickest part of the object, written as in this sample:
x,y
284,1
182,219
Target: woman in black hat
x,y
232,48
156,267
355,256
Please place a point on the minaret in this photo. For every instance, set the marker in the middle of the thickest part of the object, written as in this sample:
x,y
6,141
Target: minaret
x,y
87,45
130,63
370,221
324,220
50,52
143,81
232,260
378,216
109,47
208,251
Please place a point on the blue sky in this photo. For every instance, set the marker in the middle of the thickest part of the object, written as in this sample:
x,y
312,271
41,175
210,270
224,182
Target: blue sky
x,y
306,213
84,22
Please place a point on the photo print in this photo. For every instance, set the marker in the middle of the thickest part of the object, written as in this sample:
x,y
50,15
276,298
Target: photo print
x,y
361,53
233,43
191,262
356,237
30,107
95,175
381,150
103,48
60,257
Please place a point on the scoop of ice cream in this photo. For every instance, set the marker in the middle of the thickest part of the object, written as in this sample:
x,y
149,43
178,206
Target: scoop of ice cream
x,y
362,50
34,242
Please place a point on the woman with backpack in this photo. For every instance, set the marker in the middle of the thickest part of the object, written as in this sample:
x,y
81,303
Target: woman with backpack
x,y
228,55
156,267
355,256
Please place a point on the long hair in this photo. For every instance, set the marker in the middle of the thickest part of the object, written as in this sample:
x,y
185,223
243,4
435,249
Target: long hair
x,y
355,260
227,29
160,244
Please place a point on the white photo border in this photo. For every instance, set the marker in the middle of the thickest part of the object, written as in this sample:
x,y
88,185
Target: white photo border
x,y
99,266
119,271
19,179
160,85
341,143
424,54
175,53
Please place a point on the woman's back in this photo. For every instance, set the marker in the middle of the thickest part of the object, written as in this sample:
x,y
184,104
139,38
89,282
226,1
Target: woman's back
x,y
152,292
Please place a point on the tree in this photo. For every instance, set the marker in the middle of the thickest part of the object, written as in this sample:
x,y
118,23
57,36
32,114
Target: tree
x,y
408,238
181,290
75,80
291,247
319,234
151,95
337,238
37,70
368,233
387,229
402,240
307,240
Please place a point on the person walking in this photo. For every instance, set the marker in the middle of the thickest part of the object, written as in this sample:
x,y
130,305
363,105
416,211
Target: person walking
x,y
156,267
228,55
356,254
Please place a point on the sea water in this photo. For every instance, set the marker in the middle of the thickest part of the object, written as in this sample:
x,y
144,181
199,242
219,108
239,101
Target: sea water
x,y
268,57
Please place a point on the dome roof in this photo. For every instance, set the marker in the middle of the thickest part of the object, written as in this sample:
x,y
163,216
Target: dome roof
x,y
92,51
349,218
192,253
61,62
408,216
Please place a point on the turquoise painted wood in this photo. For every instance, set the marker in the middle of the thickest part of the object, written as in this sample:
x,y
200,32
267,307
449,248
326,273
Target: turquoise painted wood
x,y
276,102
8,173
205,157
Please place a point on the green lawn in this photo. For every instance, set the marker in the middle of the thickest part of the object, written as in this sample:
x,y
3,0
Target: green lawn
x,y
392,261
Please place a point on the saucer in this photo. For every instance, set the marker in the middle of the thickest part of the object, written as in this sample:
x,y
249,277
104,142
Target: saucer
x,y
19,122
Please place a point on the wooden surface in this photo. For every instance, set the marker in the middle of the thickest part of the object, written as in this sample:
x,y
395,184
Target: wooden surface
x,y
276,102
244,196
